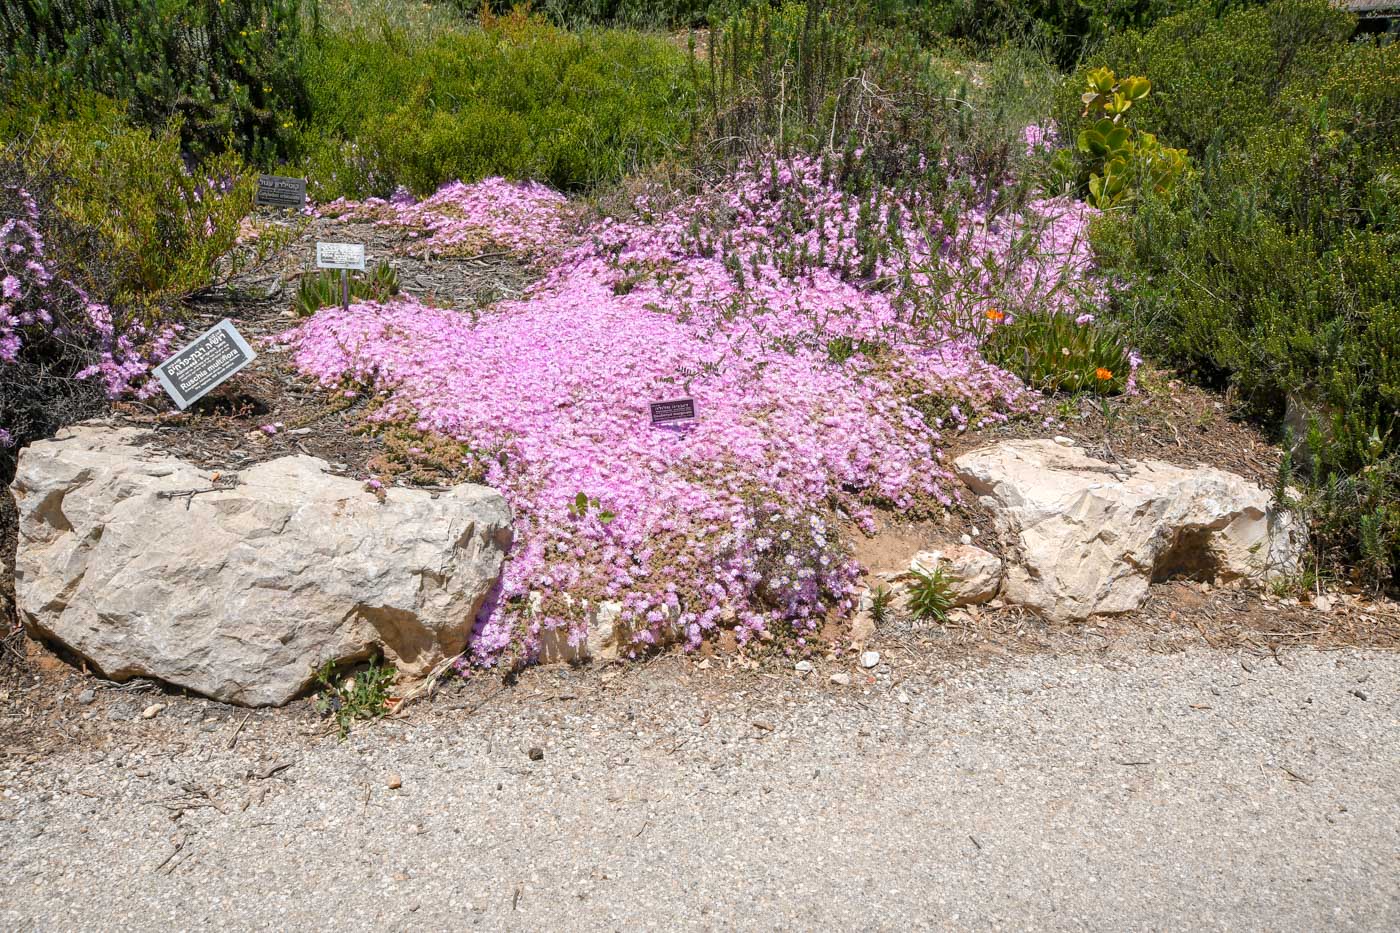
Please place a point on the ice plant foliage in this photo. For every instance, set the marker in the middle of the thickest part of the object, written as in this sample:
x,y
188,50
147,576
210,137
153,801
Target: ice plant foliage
x,y
825,375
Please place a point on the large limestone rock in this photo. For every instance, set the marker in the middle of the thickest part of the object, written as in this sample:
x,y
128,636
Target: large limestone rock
x,y
239,592
1093,535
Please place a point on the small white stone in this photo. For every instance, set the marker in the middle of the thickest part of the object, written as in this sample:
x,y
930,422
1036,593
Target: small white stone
x,y
869,659
965,539
152,711
841,679
804,667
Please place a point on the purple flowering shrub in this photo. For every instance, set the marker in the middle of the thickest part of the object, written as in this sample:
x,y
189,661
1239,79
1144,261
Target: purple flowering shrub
x,y
61,351
735,297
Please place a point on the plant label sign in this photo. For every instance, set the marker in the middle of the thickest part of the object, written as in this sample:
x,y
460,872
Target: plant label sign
x,y
681,409
340,256
214,355
280,191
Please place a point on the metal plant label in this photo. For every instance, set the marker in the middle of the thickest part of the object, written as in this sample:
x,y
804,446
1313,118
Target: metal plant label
x,y
340,256
280,191
214,356
681,409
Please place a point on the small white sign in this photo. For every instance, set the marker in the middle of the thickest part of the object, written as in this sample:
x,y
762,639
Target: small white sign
x,y
340,256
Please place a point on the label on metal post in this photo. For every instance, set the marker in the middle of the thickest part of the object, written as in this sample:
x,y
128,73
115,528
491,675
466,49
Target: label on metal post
x,y
340,256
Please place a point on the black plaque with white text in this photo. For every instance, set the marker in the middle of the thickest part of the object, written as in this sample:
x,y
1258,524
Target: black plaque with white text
x,y
280,191
214,356
681,409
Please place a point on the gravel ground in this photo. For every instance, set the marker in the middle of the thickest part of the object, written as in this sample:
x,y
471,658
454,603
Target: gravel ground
x,y
1123,790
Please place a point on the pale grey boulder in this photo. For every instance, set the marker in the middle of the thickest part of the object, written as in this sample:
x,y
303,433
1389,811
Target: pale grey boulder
x,y
1090,537
142,564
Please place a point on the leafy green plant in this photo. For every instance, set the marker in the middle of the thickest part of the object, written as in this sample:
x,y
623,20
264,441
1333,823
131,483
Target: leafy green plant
x,y
881,603
322,289
363,695
930,595
583,505
1058,353
166,227
1121,161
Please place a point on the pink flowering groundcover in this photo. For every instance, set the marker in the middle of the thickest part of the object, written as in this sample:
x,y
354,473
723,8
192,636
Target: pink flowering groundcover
x,y
824,385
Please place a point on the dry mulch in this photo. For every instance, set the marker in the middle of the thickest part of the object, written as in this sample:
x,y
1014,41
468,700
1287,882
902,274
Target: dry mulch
x,y
223,430
1166,420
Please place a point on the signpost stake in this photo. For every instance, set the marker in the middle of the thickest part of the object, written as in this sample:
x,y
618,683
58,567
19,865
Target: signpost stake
x,y
342,256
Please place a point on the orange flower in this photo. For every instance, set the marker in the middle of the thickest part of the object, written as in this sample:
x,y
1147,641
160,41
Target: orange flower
x,y
1103,374
995,316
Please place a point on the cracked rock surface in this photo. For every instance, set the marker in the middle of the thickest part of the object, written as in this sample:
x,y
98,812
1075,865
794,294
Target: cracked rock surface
x,y
1092,535
239,586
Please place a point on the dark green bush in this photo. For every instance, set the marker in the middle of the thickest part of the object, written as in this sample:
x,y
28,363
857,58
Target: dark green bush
x,y
1274,271
519,97
1064,29
228,69
653,14
1217,78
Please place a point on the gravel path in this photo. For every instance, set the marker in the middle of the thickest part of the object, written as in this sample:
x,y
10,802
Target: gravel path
x,y
1127,791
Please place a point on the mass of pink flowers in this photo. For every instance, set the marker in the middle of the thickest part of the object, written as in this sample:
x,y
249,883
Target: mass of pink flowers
x,y
457,213
44,317
829,338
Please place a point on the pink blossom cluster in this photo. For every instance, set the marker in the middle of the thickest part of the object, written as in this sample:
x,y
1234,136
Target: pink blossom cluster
x,y
521,216
820,392
40,313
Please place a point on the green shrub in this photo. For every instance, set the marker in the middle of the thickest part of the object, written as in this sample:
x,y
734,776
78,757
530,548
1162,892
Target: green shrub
x,y
228,69
824,77
519,97
1218,78
1274,273
1065,30
654,14
164,228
